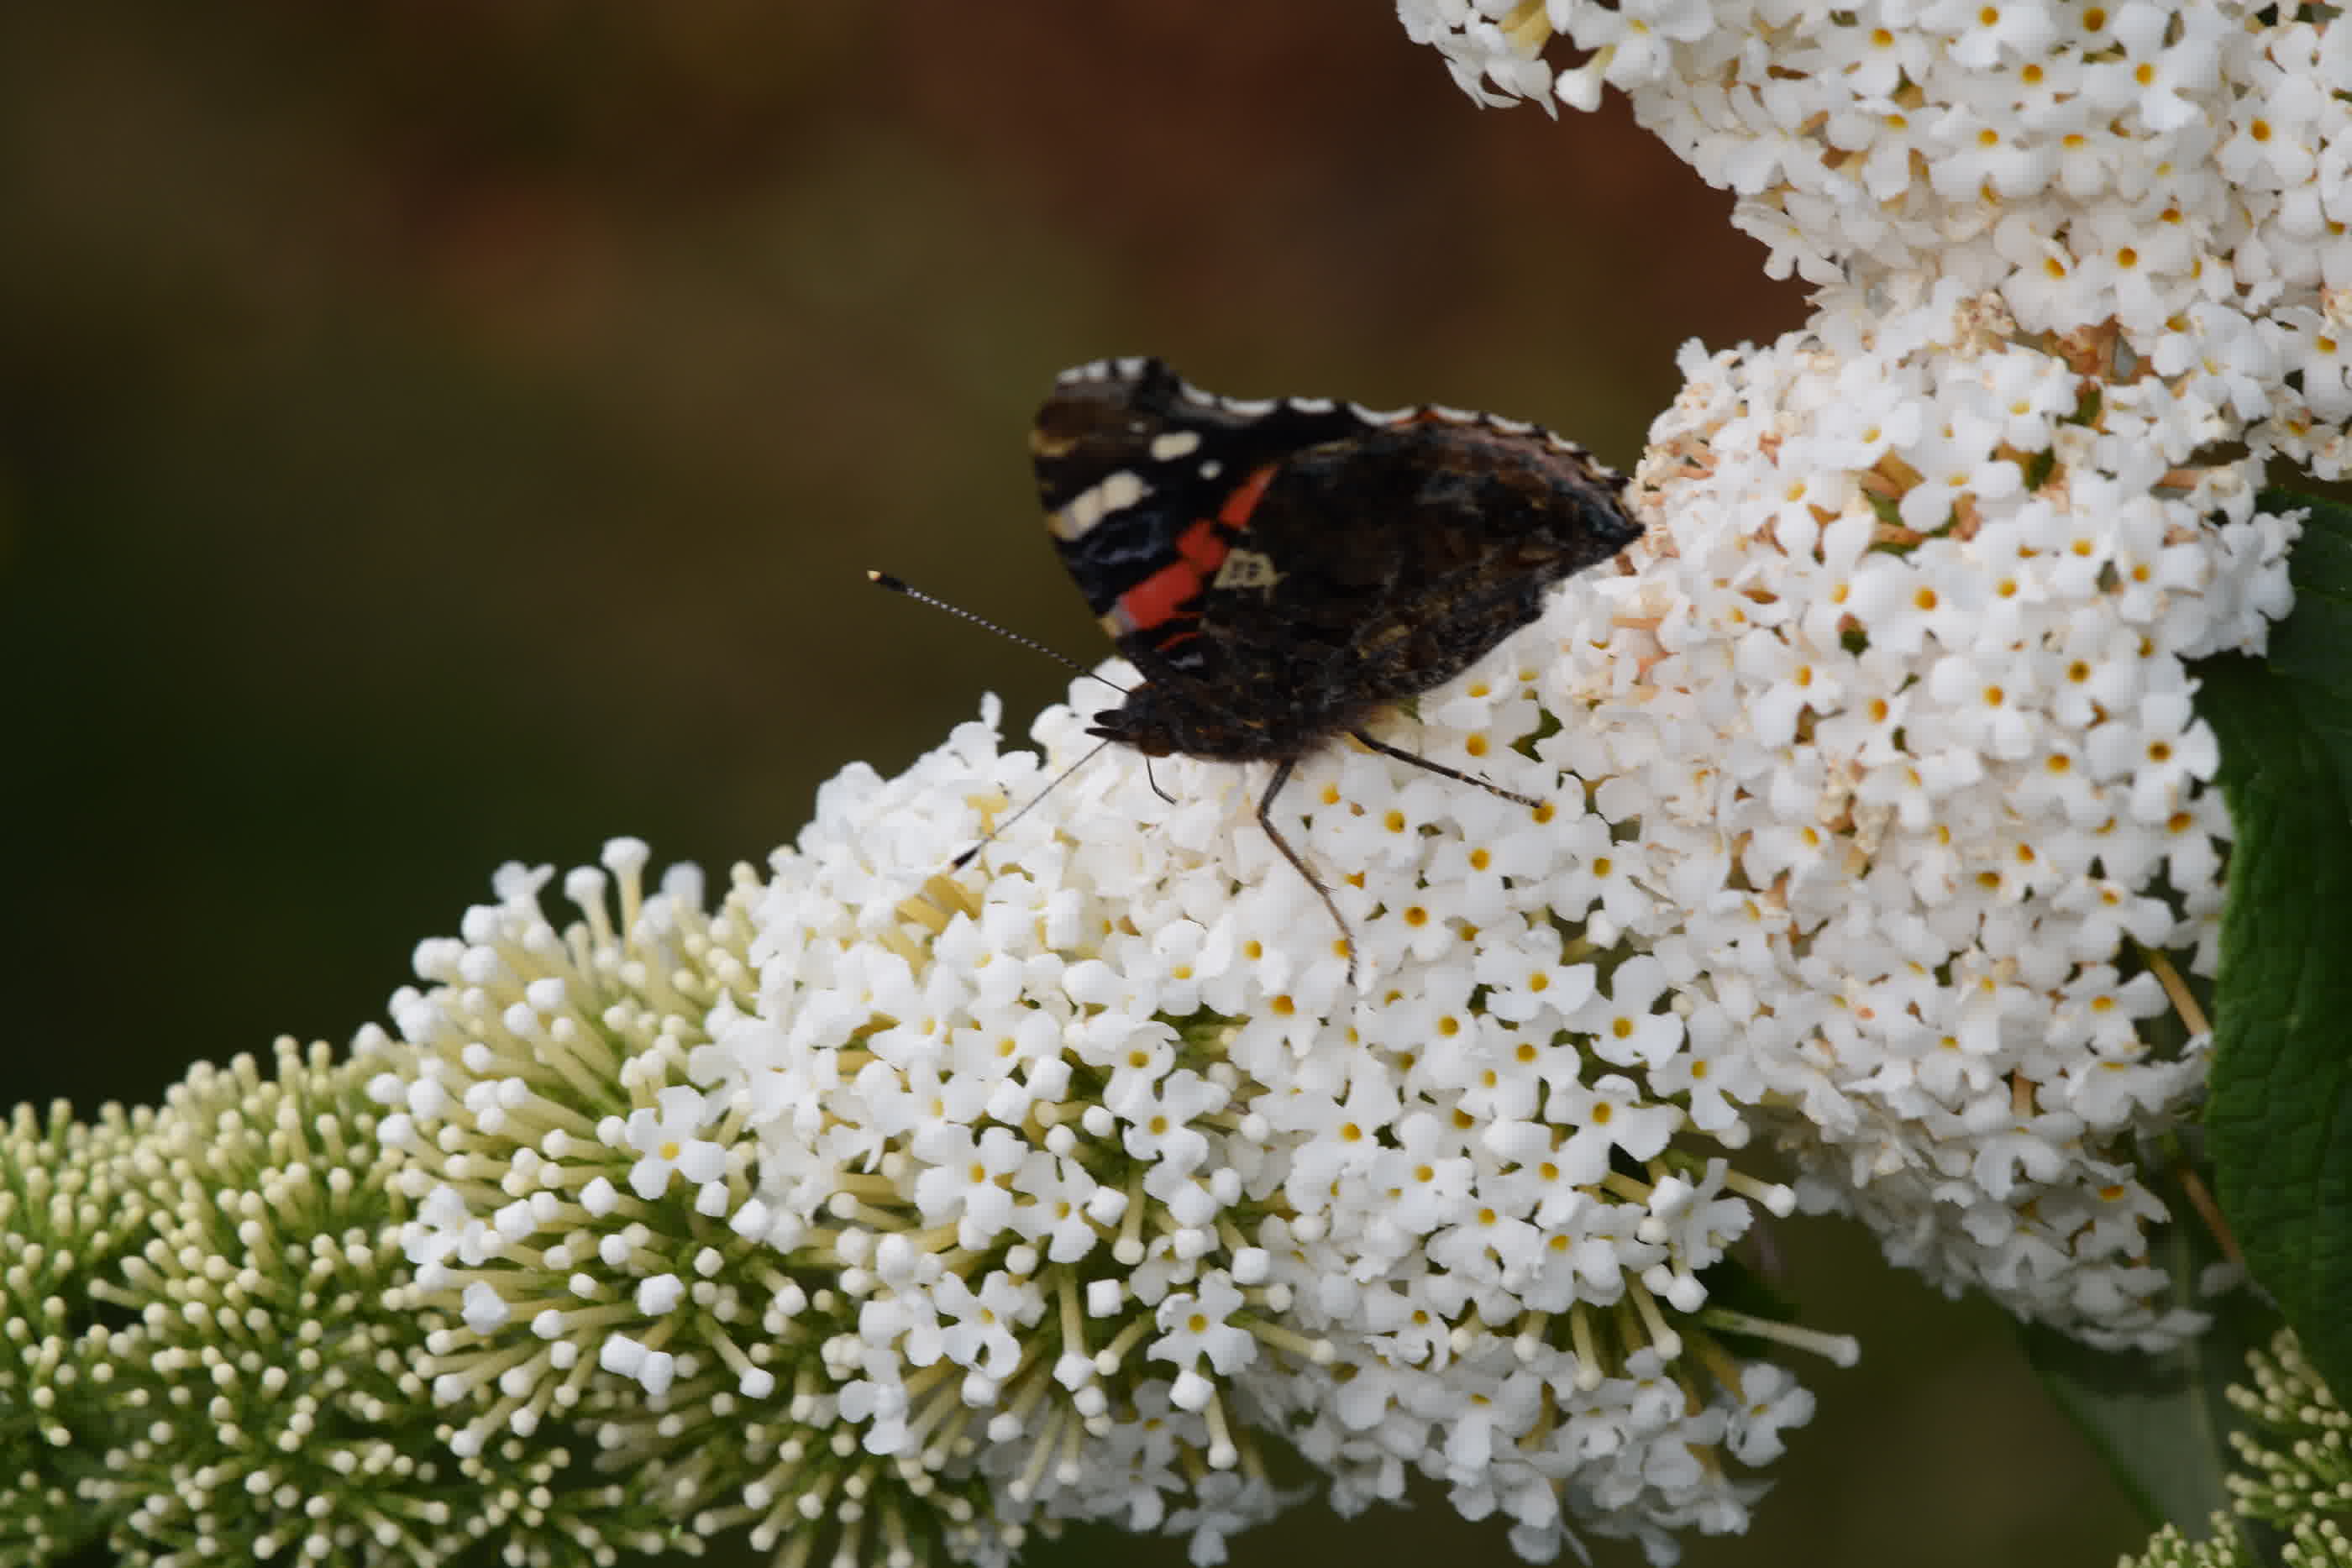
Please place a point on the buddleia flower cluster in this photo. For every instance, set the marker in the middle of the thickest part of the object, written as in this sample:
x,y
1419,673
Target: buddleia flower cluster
x,y
2174,179
217,1348
2295,1474
1904,653
890,1211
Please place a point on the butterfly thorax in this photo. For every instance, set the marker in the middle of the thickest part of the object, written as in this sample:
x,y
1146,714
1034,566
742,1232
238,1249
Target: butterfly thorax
x,y
1165,717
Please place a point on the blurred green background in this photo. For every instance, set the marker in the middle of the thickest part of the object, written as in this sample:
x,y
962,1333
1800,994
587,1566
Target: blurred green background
x,y
439,433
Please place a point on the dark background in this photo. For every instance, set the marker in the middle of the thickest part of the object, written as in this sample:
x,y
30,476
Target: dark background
x,y
432,434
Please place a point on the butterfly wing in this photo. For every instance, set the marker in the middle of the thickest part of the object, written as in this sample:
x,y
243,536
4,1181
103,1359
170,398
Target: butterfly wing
x,y
1276,570
1411,548
1147,485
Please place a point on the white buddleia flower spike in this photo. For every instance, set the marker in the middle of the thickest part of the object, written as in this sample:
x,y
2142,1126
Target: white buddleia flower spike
x,y
2178,176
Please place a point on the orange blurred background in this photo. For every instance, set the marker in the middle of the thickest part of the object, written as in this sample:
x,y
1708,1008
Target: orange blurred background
x,y
432,434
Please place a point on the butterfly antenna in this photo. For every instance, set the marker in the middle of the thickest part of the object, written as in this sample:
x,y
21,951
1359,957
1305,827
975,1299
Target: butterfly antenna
x,y
900,585
966,858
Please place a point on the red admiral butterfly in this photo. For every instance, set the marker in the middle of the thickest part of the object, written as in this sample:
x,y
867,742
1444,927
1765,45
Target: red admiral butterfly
x,y
1279,572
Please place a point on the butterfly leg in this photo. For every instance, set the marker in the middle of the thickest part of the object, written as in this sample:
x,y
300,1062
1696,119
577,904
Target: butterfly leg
x,y
1385,749
1154,779
1282,772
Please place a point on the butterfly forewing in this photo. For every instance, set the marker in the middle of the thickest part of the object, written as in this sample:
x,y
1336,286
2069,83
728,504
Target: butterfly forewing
x,y
1146,484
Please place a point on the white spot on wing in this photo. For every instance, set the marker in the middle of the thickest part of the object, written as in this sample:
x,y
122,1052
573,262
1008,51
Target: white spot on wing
x,y
1174,444
1247,407
1313,404
1379,415
1116,493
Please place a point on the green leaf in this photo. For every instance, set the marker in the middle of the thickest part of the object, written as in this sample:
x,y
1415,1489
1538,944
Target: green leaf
x,y
2161,1422
2313,647
2280,1114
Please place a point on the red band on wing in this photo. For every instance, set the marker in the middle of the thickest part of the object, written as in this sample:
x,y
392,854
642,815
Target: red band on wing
x,y
1238,506
1163,597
